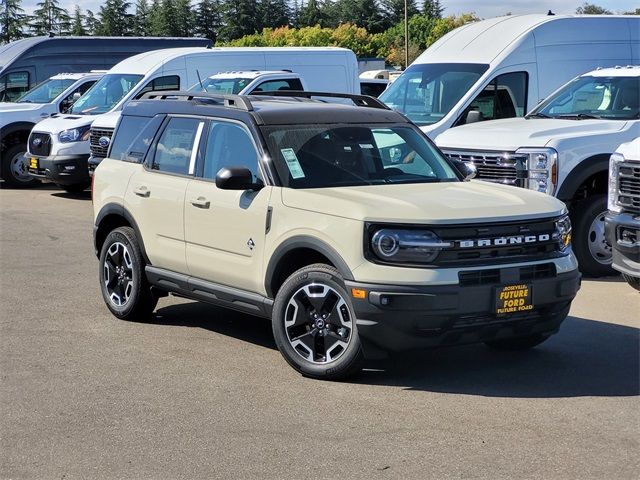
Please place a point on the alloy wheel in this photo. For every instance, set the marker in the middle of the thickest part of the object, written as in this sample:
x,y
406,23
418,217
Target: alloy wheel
x,y
118,274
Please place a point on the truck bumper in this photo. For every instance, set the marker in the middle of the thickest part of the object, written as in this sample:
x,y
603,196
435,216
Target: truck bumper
x,y
61,169
623,233
412,317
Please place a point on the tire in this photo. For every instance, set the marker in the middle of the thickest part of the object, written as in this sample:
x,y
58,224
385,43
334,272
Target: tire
x,y
517,343
593,252
75,188
633,281
130,297
312,306
14,168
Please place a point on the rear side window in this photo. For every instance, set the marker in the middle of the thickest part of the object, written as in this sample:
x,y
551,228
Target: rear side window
x,y
177,146
275,85
170,82
133,137
504,97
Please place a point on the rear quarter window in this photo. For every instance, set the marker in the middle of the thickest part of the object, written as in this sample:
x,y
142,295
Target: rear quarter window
x,y
133,137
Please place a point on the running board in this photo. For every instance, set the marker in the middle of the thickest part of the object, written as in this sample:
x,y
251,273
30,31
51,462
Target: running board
x,y
203,290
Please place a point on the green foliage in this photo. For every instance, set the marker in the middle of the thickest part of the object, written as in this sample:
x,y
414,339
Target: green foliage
x,y
592,9
50,17
12,21
114,19
432,9
141,21
208,19
77,25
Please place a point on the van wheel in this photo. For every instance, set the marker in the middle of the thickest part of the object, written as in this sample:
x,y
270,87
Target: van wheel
x,y
592,250
633,281
15,171
123,283
314,325
517,343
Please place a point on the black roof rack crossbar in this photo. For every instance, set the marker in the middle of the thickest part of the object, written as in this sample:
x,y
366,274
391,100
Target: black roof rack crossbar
x,y
358,100
231,101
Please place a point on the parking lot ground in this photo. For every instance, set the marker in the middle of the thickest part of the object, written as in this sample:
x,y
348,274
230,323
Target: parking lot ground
x,y
200,392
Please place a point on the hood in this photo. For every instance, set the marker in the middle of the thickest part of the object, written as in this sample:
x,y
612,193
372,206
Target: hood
x,y
20,107
57,124
107,120
431,203
512,133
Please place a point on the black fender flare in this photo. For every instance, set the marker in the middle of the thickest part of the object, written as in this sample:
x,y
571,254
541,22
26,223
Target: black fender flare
x,y
119,210
581,172
304,241
15,127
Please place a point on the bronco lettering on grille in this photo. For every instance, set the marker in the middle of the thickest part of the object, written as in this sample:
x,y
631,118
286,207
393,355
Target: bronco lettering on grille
x,y
502,241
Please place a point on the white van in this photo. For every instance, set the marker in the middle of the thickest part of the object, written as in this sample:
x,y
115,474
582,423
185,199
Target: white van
x,y
323,68
502,67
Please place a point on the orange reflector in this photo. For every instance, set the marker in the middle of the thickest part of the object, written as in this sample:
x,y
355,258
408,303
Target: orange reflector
x,y
358,293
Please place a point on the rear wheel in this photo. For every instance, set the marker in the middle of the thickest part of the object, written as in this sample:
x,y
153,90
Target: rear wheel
x,y
314,325
633,281
589,243
123,283
15,170
517,343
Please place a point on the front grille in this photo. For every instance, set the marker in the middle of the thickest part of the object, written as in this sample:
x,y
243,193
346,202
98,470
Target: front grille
x,y
96,134
517,274
629,187
499,167
40,144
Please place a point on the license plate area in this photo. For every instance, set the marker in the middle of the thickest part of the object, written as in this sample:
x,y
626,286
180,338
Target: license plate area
x,y
512,299
33,164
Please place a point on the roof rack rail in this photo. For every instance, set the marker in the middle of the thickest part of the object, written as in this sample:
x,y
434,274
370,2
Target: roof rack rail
x,y
358,100
231,101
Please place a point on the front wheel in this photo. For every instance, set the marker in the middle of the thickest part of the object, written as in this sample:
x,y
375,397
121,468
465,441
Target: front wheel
x,y
590,245
633,281
123,283
14,168
314,324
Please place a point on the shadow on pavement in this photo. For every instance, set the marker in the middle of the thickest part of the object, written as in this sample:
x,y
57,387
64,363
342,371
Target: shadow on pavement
x,y
587,358
86,195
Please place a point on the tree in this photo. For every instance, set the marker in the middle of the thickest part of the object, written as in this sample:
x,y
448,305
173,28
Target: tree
x,y
91,22
273,13
140,23
114,19
12,20
239,18
77,26
208,19
592,9
49,17
394,10
156,19
432,8
184,18
363,13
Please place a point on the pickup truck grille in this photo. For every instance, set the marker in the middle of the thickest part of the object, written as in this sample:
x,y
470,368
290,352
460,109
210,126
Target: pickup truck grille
x,y
498,167
40,144
97,150
629,187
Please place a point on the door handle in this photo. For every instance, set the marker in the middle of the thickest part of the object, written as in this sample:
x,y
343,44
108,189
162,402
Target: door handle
x,y
45,115
200,202
142,191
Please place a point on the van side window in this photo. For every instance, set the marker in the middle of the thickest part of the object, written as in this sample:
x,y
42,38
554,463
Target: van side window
x,y
175,149
13,85
68,101
229,145
504,97
170,82
274,85
133,137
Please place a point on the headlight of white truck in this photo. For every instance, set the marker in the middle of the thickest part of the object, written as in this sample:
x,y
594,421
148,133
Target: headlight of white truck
x,y
614,167
542,166
79,134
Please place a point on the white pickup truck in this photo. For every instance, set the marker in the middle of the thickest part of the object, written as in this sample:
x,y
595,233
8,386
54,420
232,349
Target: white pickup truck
x,y
53,96
562,147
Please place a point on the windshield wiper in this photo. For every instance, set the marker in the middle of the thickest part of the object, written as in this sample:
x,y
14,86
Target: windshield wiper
x,y
538,115
579,116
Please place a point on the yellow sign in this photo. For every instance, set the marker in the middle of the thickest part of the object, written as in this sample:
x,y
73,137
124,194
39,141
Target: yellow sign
x,y
514,298
33,163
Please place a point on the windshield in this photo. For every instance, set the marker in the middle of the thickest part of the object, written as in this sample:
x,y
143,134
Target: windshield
x,y
105,94
221,85
319,156
426,93
47,91
613,98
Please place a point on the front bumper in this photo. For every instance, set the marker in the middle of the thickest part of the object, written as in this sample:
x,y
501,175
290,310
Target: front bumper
x,y
61,169
623,233
411,317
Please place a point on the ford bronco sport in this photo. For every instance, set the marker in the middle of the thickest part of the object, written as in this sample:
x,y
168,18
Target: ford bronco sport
x,y
344,224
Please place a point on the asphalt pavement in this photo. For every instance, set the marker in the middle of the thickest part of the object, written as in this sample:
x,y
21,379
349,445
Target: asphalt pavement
x,y
200,392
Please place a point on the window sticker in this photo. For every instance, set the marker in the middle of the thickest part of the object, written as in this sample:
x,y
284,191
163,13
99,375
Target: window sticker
x,y
292,162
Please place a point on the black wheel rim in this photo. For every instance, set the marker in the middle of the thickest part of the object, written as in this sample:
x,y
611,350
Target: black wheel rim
x,y
118,274
318,323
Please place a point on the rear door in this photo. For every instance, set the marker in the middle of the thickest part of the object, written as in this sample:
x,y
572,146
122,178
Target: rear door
x,y
225,229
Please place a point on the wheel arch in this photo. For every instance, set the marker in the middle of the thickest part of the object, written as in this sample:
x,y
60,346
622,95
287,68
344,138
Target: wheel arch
x,y
110,217
297,252
17,130
589,176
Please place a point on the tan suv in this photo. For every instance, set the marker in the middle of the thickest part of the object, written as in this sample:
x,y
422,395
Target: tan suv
x,y
344,224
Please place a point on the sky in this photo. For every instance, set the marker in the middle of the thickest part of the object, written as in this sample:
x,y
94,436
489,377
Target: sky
x,y
482,8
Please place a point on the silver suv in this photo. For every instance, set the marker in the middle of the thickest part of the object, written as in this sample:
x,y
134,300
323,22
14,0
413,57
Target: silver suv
x,y
344,224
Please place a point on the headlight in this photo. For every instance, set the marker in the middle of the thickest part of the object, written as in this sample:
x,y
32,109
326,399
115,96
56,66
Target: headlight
x,y
614,169
406,246
563,233
542,168
79,134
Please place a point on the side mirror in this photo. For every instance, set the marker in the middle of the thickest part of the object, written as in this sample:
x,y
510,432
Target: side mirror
x,y
237,178
467,170
474,116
